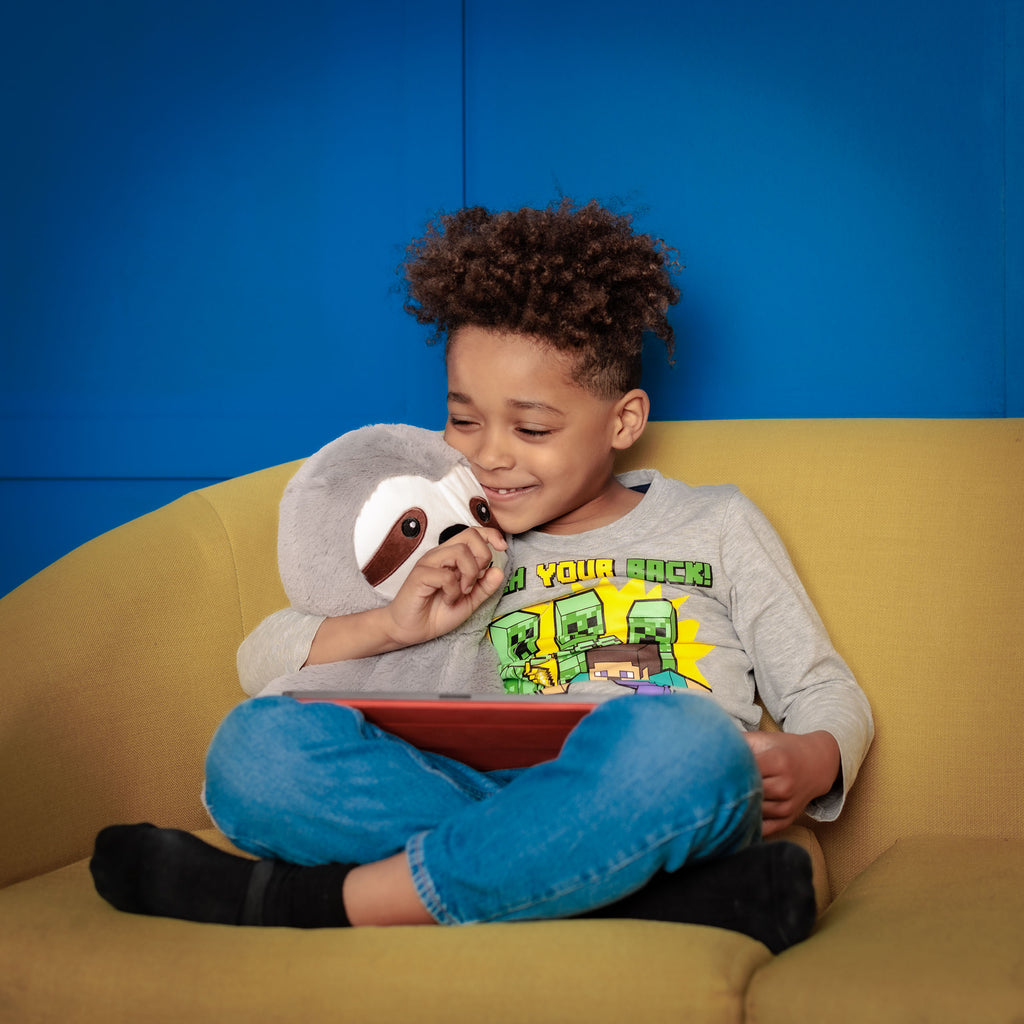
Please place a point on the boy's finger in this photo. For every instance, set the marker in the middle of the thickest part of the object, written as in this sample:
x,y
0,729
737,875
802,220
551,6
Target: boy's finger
x,y
427,579
489,582
494,537
470,561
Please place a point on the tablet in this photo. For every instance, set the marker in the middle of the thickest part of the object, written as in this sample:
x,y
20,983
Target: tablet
x,y
483,731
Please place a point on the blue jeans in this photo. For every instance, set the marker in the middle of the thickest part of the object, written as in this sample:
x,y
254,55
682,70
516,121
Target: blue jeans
x,y
642,784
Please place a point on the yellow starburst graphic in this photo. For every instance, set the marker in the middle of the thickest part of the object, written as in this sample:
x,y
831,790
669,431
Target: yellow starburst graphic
x,y
617,603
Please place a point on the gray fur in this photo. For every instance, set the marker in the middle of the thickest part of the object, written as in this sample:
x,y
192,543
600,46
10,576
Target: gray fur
x,y
321,574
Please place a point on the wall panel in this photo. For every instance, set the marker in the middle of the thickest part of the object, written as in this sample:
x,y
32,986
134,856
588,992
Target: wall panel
x,y
203,205
831,173
1014,199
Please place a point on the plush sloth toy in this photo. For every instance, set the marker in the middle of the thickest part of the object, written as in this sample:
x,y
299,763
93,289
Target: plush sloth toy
x,y
354,520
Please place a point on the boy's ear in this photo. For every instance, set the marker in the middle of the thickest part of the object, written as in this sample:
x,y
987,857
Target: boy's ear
x,y
631,413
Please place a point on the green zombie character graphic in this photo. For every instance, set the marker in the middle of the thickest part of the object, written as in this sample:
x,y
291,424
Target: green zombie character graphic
x,y
653,621
579,627
515,640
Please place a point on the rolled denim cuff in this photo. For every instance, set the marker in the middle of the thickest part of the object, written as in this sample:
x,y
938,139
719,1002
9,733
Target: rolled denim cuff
x,y
423,883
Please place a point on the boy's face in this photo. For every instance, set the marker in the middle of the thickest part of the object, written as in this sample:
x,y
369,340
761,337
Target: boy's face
x,y
542,446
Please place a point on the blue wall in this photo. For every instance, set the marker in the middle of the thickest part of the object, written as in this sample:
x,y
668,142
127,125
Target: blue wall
x,y
203,204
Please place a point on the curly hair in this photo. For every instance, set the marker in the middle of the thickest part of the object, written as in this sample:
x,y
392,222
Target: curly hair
x,y
574,277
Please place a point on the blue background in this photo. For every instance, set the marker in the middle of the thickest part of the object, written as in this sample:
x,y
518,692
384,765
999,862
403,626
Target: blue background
x,y
203,204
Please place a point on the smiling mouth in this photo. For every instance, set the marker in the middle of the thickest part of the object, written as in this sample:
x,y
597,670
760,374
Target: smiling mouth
x,y
508,492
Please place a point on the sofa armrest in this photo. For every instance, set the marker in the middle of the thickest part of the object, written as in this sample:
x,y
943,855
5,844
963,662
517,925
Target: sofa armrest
x,y
118,665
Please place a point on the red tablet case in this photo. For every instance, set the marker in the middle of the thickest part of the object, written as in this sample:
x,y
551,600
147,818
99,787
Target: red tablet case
x,y
486,733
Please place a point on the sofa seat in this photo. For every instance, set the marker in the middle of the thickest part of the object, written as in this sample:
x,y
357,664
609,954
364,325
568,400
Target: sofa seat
x,y
901,943
79,960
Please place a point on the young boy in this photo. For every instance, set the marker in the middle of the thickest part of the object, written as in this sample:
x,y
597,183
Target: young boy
x,y
655,805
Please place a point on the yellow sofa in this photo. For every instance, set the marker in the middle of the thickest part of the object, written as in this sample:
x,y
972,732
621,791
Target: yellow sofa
x,y
119,663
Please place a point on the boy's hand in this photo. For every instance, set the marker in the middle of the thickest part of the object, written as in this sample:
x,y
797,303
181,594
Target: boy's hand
x,y
795,769
445,587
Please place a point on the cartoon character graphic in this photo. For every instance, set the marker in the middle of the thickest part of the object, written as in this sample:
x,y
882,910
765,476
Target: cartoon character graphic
x,y
515,637
616,636
636,666
654,621
579,626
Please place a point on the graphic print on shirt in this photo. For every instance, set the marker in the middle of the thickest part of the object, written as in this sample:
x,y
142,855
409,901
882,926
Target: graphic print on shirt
x,y
618,636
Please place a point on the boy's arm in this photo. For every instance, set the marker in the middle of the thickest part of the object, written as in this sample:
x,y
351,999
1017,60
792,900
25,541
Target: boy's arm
x,y
289,640
805,685
444,588
277,647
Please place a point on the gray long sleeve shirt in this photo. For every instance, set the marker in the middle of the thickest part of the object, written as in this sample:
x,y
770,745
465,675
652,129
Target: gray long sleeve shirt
x,y
691,589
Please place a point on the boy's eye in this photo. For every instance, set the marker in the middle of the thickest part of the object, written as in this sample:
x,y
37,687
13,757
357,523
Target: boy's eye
x,y
531,432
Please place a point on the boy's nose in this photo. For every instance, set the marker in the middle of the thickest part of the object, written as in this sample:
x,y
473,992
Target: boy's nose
x,y
491,454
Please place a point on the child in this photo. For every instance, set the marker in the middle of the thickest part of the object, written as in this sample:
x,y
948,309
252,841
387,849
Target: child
x,y
655,805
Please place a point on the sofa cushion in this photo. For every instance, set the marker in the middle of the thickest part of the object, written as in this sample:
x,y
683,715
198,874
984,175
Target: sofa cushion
x,y
66,955
933,930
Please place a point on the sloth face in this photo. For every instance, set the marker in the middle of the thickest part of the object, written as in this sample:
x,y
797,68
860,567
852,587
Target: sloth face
x,y
406,516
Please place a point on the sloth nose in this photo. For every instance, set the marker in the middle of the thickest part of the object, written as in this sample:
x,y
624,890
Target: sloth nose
x,y
451,531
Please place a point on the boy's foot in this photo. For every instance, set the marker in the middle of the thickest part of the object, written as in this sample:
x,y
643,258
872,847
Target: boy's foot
x,y
765,891
163,872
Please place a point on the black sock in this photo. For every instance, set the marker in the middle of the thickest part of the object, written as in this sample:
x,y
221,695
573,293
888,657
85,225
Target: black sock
x,y
765,891
142,869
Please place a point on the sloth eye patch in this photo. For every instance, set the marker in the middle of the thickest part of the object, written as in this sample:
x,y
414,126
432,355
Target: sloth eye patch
x,y
404,537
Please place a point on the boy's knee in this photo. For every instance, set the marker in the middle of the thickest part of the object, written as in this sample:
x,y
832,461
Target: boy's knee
x,y
260,743
243,730
677,738
236,751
